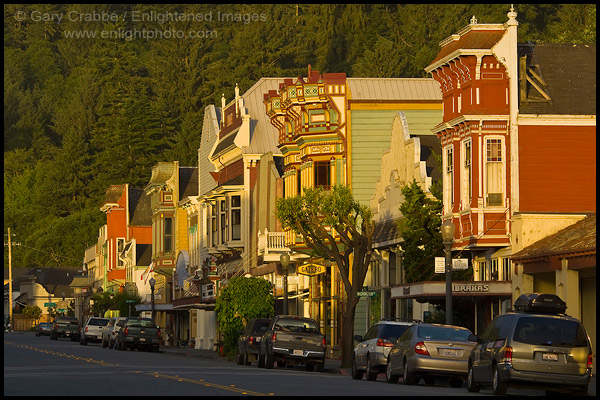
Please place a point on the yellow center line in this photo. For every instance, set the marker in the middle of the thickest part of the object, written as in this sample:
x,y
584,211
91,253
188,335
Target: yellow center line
x,y
230,388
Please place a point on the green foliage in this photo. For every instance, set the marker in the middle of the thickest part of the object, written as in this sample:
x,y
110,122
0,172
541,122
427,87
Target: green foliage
x,y
420,230
105,301
33,311
242,298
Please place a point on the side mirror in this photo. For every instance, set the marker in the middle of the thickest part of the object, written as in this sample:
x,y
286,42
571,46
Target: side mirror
x,y
473,338
358,338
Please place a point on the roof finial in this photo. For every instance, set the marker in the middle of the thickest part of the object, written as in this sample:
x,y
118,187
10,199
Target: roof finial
x,y
473,20
512,16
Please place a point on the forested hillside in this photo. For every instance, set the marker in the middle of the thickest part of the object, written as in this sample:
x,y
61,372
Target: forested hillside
x,y
95,95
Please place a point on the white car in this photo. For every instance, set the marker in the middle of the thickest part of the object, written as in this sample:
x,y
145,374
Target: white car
x,y
370,354
92,330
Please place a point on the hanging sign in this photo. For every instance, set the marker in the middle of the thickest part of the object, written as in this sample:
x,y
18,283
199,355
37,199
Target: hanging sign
x,y
458,264
311,269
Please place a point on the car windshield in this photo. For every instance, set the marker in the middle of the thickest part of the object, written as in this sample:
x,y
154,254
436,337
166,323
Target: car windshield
x,y
296,325
98,321
392,331
550,331
443,333
144,323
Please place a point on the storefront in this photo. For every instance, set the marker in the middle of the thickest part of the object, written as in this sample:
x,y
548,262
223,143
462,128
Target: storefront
x,y
475,304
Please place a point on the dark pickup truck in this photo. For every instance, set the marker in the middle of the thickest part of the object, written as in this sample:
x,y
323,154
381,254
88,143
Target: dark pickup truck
x,y
65,327
294,340
140,333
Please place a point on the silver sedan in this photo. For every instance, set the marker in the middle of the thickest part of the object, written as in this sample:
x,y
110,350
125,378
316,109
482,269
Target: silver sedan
x,y
430,351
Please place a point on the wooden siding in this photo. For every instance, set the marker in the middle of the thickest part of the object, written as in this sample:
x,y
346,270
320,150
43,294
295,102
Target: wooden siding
x,y
557,168
371,133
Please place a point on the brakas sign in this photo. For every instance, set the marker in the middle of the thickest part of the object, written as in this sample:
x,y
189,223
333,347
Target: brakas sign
x,y
470,287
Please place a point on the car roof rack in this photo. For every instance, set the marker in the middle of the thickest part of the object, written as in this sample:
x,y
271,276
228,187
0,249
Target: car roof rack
x,y
416,321
540,303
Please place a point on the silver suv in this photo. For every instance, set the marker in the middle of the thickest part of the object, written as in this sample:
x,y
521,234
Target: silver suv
x,y
371,353
110,331
537,345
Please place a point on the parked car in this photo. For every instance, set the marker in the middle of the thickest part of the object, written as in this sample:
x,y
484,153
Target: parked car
x,y
44,328
66,327
109,332
137,332
92,330
370,354
430,351
536,345
249,340
294,340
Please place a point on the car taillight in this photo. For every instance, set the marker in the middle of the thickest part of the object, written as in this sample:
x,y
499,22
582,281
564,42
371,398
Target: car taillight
x,y
590,361
274,337
55,326
251,340
324,342
384,343
507,355
86,328
158,333
421,349
126,331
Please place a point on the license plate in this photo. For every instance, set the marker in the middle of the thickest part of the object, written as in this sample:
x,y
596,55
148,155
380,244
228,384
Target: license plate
x,y
450,352
258,339
67,333
142,339
298,352
141,331
550,357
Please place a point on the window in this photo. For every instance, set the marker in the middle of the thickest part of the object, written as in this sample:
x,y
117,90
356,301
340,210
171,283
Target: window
x,y
494,269
168,235
322,175
120,247
375,274
448,179
483,271
466,174
223,220
213,225
298,182
506,269
494,172
236,218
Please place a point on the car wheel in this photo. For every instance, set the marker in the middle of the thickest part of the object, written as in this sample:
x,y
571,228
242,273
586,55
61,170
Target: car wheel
x,y
281,364
261,360
371,374
456,383
320,366
309,367
356,373
84,341
498,387
269,361
429,380
407,377
239,360
389,376
471,385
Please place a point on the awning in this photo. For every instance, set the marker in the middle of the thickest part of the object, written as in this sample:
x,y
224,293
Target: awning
x,y
157,307
424,290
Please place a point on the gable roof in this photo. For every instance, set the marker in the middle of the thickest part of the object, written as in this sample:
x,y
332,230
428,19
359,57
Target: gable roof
x,y
188,182
568,72
140,209
394,89
577,238
472,37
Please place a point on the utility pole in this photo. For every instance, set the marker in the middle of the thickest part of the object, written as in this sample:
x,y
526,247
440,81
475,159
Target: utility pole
x,y
10,300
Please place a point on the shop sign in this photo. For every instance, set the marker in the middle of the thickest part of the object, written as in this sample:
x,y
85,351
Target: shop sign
x,y
368,293
458,264
470,287
311,269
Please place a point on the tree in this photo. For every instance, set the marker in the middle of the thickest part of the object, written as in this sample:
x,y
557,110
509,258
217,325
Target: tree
x,y
242,298
349,247
33,311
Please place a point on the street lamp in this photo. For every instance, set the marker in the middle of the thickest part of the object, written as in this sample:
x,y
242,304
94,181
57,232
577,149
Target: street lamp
x,y
152,283
284,259
448,237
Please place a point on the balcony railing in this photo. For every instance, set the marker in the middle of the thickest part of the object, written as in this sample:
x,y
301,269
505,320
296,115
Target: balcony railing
x,y
271,245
